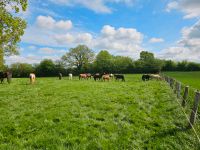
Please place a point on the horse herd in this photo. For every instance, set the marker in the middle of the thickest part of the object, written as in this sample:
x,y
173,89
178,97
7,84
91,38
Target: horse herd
x,y
104,76
96,76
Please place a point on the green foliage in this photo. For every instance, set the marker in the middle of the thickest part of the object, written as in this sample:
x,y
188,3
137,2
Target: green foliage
x,y
54,114
78,57
103,62
148,64
46,68
21,69
169,65
11,27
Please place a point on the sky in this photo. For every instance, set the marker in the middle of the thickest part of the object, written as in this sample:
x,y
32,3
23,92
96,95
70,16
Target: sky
x,y
168,28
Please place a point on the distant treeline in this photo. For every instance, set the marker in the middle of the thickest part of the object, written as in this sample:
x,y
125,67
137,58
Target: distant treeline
x,y
82,60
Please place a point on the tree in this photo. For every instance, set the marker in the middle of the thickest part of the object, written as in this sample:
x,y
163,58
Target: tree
x,y
148,64
145,55
182,66
122,64
103,62
11,27
21,69
78,57
46,68
169,65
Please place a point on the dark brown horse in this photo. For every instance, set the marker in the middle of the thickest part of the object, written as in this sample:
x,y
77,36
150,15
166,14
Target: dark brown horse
x,y
119,76
97,76
7,75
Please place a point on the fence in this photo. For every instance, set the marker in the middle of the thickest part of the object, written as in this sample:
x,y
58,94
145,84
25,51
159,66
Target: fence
x,y
188,98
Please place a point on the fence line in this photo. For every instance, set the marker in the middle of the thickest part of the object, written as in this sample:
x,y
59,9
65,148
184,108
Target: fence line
x,y
187,95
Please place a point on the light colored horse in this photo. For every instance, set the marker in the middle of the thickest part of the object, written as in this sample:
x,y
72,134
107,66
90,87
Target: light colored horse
x,y
106,77
32,78
70,76
155,76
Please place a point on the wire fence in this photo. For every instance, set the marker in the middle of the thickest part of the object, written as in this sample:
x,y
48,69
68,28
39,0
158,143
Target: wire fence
x,y
189,99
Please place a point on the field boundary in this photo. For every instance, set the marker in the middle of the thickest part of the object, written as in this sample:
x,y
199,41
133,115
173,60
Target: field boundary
x,y
189,101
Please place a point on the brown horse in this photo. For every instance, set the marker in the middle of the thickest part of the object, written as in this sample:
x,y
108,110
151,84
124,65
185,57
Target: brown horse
x,y
106,77
82,76
89,75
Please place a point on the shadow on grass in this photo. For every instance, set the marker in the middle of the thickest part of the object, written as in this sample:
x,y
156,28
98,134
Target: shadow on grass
x,y
163,134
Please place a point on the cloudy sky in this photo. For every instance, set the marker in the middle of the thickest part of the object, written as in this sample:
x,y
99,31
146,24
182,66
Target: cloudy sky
x,y
169,28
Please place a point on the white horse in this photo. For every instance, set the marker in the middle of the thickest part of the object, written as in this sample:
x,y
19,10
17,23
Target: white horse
x,y
70,76
32,78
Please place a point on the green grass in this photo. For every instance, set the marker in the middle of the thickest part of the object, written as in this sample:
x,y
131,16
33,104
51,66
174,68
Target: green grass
x,y
188,78
65,114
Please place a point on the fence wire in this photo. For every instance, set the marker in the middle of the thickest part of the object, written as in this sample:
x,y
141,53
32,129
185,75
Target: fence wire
x,y
187,109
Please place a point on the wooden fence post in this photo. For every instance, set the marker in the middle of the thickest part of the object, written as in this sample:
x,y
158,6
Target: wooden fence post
x,y
185,96
171,83
194,109
178,89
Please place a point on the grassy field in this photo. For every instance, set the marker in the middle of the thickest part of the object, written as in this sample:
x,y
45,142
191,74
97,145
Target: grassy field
x,y
65,114
188,78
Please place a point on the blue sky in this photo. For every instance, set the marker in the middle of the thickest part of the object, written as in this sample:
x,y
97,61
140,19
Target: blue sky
x,y
169,28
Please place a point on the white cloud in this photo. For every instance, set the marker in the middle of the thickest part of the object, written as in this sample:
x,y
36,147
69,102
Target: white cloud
x,y
117,40
191,8
156,40
47,22
188,47
30,59
47,50
98,6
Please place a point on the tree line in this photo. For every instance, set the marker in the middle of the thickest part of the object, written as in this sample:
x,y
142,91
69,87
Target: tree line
x,y
81,59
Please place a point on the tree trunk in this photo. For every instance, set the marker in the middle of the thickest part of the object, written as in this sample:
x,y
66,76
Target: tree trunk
x,y
1,58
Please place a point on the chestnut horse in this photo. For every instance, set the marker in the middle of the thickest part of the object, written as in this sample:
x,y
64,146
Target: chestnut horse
x,y
82,76
106,77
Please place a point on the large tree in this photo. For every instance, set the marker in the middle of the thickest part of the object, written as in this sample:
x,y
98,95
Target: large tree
x,y
103,62
11,27
78,57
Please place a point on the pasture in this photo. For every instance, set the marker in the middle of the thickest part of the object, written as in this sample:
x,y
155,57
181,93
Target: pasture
x,y
73,114
188,78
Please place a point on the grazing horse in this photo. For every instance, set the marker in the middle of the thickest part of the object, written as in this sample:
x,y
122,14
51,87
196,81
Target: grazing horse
x,y
60,76
145,77
119,76
97,76
7,75
111,75
89,75
32,78
106,77
155,76
70,76
82,76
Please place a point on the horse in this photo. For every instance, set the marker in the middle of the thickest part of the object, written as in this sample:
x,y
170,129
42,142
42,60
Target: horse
x,y
70,76
97,76
89,75
145,77
155,76
119,76
32,78
82,76
106,77
7,75
60,76
111,75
